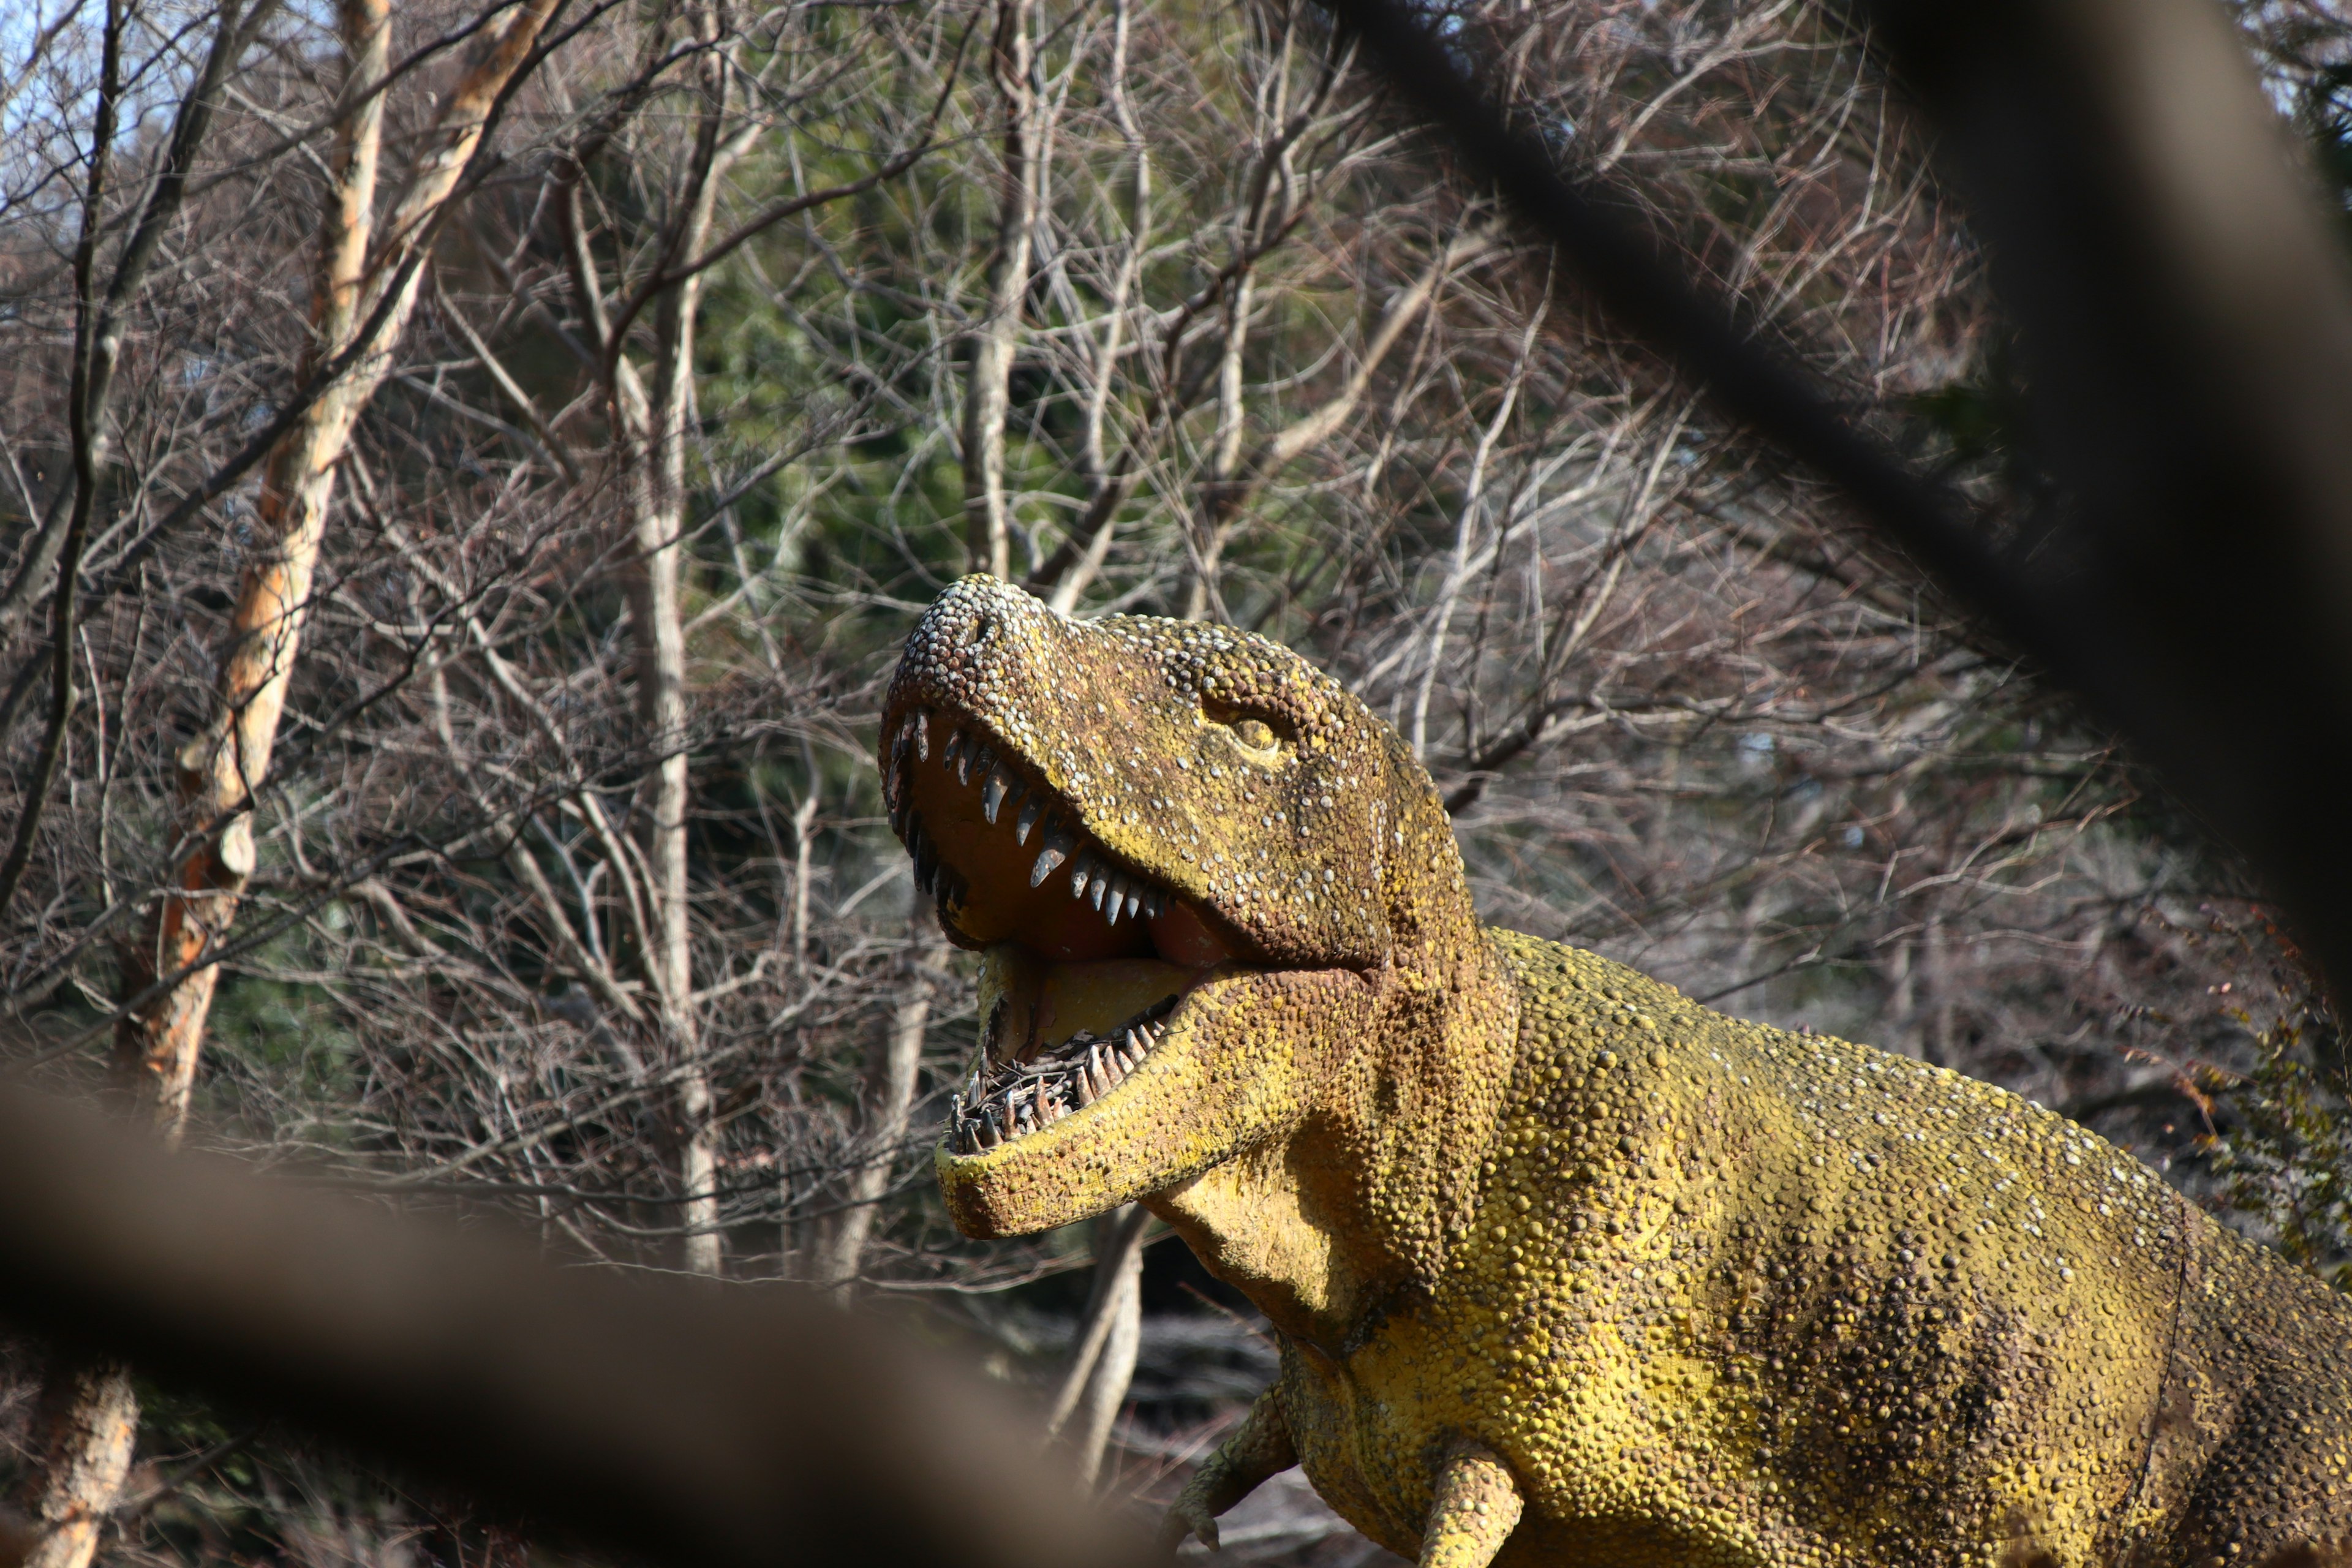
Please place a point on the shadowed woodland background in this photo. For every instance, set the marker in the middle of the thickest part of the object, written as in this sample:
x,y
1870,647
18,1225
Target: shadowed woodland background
x,y
605,387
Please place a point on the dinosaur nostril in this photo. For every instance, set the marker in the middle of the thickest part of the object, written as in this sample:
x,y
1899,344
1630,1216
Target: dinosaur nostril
x,y
977,632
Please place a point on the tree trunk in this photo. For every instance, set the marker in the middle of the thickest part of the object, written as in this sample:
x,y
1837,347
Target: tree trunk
x,y
1106,1390
1110,1332
653,590
87,1422
987,514
890,1075
91,1415
653,422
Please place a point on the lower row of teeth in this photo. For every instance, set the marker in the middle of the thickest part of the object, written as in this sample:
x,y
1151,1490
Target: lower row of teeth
x,y
1021,1097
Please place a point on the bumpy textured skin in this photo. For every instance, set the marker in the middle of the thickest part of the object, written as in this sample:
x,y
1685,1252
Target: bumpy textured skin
x,y
1697,1291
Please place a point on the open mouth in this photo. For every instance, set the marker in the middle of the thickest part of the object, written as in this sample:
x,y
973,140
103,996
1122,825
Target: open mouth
x,y
1088,958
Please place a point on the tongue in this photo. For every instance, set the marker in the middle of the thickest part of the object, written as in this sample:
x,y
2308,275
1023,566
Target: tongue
x,y
1028,1005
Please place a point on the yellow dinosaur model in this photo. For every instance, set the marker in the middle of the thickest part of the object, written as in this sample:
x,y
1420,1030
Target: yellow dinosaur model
x,y
1565,1268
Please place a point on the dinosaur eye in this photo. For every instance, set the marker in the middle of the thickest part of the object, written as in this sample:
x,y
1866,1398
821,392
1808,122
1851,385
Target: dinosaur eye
x,y
1258,736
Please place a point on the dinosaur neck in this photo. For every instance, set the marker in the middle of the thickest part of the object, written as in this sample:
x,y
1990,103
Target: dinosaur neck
x,y
1365,1195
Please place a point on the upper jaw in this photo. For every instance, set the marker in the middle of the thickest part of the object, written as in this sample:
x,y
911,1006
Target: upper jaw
x,y
1008,856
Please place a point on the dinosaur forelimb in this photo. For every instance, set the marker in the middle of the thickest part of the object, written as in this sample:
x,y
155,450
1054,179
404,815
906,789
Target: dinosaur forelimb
x,y
1477,1507
1259,1448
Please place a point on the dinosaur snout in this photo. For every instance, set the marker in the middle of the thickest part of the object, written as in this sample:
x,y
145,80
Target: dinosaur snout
x,y
977,616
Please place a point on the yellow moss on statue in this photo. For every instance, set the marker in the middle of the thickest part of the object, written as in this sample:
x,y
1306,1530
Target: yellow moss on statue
x,y
1566,1267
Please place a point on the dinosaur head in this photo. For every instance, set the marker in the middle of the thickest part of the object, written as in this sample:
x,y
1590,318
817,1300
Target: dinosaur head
x,y
1198,871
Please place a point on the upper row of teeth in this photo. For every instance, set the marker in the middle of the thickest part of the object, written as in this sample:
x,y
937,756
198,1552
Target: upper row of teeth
x,y
1114,893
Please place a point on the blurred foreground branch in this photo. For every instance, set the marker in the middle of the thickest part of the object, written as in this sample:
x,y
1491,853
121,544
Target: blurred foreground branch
x,y
668,1420
2190,333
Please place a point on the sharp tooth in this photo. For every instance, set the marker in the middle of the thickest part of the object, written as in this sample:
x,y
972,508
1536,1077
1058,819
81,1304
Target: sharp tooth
x,y
988,1135
1131,1057
1134,904
977,759
921,725
1082,871
1100,885
927,862
1030,812
1117,899
992,791
1056,850
954,751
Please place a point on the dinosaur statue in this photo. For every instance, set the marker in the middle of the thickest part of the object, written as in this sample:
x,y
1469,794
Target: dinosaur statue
x,y
1565,1268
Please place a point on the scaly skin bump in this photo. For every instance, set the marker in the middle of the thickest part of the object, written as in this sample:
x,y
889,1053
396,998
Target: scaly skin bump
x,y
1566,1267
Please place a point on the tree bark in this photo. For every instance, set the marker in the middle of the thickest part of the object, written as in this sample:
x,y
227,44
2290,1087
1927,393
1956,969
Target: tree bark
x,y
87,1421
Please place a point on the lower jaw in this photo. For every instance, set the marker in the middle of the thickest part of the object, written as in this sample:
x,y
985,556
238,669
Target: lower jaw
x,y
1056,1038
1240,1058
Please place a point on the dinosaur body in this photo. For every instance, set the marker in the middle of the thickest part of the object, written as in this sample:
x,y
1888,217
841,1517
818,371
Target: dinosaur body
x,y
1566,1268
